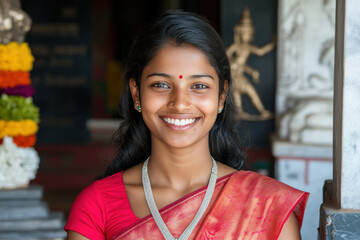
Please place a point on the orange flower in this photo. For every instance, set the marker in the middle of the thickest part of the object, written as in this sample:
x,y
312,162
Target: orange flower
x,y
10,79
23,141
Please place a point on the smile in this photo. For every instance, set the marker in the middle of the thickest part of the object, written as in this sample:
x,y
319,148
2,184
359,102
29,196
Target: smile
x,y
179,122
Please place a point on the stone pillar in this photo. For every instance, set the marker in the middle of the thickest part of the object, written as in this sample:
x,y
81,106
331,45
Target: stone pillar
x,y
347,106
340,213
302,145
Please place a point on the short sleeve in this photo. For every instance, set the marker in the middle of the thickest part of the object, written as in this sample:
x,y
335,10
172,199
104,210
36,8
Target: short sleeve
x,y
87,214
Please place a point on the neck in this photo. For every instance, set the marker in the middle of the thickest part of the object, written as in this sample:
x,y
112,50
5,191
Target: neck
x,y
179,168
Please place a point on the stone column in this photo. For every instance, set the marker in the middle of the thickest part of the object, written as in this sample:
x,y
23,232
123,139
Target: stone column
x,y
302,144
340,213
347,106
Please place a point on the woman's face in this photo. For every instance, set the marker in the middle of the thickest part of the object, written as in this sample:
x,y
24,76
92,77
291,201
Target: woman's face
x,y
179,96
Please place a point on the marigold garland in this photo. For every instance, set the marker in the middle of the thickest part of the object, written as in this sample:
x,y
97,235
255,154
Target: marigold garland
x,y
23,141
18,108
9,79
15,128
16,57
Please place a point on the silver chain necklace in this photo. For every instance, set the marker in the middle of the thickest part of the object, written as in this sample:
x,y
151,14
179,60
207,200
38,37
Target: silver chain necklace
x,y
155,212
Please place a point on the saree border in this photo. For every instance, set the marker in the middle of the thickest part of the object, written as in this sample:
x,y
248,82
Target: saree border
x,y
172,205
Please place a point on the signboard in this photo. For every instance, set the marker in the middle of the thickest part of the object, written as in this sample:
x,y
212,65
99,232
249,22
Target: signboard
x,y
61,42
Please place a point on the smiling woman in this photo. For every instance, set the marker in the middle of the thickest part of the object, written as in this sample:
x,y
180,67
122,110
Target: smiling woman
x,y
179,112
179,151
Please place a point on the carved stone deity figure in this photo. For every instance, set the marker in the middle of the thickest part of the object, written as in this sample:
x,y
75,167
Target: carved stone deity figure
x,y
238,54
14,22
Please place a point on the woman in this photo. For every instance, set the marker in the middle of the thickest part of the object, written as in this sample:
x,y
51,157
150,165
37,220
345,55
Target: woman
x,y
177,117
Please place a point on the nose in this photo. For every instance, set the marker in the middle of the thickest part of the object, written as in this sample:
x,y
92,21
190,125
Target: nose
x,y
180,100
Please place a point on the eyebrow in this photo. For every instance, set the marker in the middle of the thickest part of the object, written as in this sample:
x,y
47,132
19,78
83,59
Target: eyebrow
x,y
159,74
202,76
192,76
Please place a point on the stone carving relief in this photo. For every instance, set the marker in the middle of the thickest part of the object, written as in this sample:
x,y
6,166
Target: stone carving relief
x,y
305,70
309,122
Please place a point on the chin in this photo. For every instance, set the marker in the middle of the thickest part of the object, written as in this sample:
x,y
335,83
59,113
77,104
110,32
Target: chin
x,y
184,142
180,144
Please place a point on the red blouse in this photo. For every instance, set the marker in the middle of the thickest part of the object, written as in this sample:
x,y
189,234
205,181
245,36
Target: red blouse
x,y
102,209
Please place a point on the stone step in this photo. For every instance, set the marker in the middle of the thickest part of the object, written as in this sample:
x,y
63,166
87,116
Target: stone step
x,y
55,220
17,203
32,192
57,234
28,211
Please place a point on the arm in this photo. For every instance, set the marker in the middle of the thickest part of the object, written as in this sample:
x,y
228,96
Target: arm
x,y
230,51
290,230
254,73
260,51
86,218
71,235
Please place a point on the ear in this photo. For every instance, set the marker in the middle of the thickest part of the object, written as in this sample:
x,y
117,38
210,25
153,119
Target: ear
x,y
134,90
223,94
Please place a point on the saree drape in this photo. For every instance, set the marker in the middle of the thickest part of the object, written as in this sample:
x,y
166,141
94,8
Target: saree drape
x,y
246,205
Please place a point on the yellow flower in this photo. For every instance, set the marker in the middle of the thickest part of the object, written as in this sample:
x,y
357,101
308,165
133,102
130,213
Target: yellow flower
x,y
16,57
15,128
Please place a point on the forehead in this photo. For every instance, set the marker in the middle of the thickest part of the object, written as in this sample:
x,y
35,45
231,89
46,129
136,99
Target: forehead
x,y
183,59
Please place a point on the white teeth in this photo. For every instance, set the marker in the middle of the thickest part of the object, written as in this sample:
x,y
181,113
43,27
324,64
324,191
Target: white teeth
x,y
179,122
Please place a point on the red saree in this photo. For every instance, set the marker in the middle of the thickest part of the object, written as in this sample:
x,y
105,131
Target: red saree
x,y
244,206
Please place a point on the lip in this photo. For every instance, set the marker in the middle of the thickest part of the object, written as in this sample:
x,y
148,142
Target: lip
x,y
179,122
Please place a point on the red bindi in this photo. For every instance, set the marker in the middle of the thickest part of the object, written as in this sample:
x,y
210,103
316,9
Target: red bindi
x,y
180,76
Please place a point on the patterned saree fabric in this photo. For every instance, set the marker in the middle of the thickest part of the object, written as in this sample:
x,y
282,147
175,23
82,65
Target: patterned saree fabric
x,y
247,206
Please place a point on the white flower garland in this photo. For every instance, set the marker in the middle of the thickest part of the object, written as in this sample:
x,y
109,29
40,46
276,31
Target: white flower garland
x,y
17,165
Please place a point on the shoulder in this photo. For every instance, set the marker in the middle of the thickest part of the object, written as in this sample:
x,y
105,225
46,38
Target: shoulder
x,y
252,184
268,190
224,170
112,181
132,176
100,209
98,191
256,180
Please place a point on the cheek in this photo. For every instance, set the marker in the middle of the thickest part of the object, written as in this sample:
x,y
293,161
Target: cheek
x,y
208,104
151,103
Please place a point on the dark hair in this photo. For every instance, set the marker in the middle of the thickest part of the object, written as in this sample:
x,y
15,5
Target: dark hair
x,y
132,139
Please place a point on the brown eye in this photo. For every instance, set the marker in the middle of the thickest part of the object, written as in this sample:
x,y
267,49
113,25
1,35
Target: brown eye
x,y
160,85
199,86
